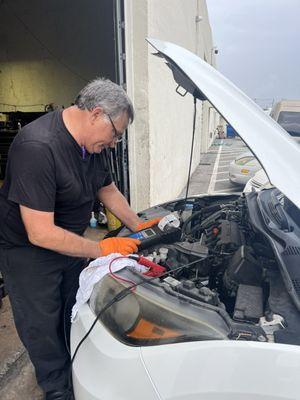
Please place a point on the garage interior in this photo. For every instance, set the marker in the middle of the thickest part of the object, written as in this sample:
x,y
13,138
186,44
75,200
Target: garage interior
x,y
49,51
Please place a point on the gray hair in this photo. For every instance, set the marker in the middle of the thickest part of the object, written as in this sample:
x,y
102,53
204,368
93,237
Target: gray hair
x,y
106,94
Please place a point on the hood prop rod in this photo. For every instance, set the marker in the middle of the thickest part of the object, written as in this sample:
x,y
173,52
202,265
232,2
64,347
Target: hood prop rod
x,y
191,157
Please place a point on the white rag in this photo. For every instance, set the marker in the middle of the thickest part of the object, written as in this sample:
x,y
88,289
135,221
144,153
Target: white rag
x,y
95,271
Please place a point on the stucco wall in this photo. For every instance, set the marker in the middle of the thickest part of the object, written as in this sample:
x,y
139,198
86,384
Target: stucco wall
x,y
171,116
136,30
160,139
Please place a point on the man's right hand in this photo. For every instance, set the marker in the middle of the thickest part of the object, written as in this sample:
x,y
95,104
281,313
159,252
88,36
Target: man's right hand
x,y
118,245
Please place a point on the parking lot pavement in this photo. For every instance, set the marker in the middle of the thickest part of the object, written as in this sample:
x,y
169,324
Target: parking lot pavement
x,y
228,150
212,173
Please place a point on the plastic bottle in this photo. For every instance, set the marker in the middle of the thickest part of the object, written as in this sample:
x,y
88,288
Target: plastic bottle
x,y
93,221
163,252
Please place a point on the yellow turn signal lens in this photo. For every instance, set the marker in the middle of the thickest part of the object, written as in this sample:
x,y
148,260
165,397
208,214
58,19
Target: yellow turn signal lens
x,y
147,330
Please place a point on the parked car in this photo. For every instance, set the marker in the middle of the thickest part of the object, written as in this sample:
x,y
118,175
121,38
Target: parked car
x,y
223,321
287,114
242,168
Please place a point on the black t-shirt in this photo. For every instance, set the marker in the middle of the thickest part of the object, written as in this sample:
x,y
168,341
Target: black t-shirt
x,y
47,171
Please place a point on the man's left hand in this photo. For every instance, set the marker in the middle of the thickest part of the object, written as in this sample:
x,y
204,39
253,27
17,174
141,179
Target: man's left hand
x,y
147,224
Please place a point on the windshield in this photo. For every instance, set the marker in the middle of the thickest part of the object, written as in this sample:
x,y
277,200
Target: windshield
x,y
290,121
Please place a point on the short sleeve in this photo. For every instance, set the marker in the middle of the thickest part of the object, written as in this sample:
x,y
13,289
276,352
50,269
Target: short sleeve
x,y
104,165
32,171
107,180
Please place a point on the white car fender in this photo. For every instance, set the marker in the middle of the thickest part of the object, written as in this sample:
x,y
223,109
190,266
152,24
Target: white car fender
x,y
224,370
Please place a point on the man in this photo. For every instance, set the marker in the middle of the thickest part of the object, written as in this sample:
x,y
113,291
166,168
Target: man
x,y
54,173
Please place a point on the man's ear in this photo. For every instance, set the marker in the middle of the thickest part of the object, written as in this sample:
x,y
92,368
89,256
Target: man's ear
x,y
96,113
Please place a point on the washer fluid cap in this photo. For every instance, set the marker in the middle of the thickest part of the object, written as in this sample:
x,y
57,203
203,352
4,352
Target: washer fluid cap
x,y
169,221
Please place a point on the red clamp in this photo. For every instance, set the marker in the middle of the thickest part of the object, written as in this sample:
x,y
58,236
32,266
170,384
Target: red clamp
x,y
154,269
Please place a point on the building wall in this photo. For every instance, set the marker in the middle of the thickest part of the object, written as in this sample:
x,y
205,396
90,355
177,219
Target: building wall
x,y
171,116
160,139
136,30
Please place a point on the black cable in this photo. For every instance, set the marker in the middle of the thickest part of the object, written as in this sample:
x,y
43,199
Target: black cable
x,y
191,155
189,219
117,298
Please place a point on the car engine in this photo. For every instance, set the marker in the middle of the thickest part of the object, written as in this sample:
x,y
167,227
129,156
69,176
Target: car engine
x,y
230,265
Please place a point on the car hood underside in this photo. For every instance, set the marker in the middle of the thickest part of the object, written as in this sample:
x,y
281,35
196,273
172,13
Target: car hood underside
x,y
272,145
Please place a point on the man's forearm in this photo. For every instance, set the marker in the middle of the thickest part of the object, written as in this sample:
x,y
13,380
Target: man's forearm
x,y
118,205
68,243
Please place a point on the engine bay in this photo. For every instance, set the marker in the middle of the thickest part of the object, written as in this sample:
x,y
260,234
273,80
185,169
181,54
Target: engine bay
x,y
231,267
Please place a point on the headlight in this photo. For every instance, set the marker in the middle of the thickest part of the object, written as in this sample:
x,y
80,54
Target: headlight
x,y
244,160
148,316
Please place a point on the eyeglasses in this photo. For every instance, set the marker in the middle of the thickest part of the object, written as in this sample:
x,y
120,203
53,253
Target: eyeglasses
x,y
118,136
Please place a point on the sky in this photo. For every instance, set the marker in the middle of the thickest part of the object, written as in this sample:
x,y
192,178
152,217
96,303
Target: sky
x,y
259,46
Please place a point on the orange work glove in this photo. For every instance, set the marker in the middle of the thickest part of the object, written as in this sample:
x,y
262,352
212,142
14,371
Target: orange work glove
x,y
118,245
147,224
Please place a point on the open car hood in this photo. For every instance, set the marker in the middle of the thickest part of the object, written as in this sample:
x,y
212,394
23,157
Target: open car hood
x,y
277,152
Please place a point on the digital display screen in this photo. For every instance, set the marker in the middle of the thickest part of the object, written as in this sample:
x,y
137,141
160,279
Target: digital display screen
x,y
149,232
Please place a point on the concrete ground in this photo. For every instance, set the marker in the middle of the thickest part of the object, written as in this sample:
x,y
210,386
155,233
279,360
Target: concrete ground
x,y
212,173
17,381
16,372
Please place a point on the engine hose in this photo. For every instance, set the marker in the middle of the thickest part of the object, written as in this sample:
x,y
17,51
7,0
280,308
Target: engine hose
x,y
199,227
204,210
213,216
189,219
213,208
196,228
205,224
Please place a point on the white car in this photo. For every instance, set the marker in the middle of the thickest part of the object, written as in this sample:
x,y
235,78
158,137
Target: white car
x,y
287,114
223,321
245,169
242,168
